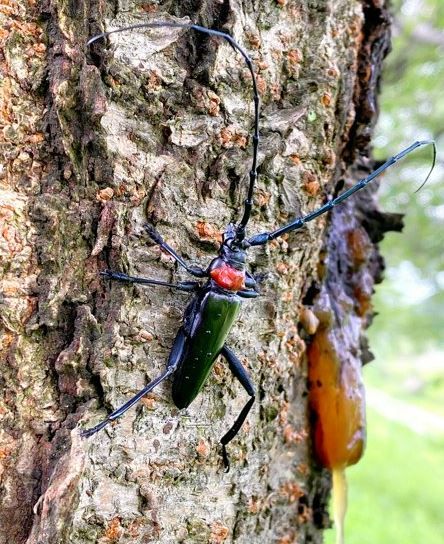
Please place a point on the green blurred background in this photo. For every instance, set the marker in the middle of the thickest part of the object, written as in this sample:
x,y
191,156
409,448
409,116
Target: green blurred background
x,y
396,493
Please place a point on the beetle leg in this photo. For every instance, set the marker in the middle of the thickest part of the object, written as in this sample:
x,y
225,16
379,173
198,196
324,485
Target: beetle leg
x,y
250,281
241,374
174,359
248,293
264,237
196,271
120,276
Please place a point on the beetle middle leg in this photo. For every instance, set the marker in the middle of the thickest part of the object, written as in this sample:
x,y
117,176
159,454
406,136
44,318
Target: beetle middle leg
x,y
241,374
124,278
175,358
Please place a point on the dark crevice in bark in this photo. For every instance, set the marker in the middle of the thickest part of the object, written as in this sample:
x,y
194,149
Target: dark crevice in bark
x,y
375,47
60,334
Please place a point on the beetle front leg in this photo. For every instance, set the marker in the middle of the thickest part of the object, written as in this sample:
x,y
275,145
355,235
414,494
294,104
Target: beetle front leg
x,y
196,271
250,281
176,355
248,293
241,374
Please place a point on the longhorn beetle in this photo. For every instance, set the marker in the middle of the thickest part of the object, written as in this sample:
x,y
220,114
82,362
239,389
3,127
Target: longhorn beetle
x,y
215,305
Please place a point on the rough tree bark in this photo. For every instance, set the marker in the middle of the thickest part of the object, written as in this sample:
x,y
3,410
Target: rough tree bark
x,y
157,127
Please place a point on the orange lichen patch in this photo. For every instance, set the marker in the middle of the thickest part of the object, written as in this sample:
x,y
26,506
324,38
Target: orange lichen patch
x,y
329,158
262,198
283,413
121,189
275,91
333,72
219,370
295,160
240,140
105,194
254,505
287,296
262,65
229,137
219,533
291,491
281,3
30,308
253,40
295,56
326,99
336,397
311,184
114,529
202,448
154,82
206,231
282,268
36,138
261,84
355,28
5,452
289,538
6,341
148,8
144,336
228,277
303,469
226,136
149,402
292,436
213,103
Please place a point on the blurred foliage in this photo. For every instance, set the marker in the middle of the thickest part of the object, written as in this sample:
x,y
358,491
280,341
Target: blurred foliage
x,y
411,300
395,494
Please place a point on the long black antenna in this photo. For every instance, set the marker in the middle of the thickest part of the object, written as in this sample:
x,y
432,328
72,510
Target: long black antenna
x,y
264,237
240,229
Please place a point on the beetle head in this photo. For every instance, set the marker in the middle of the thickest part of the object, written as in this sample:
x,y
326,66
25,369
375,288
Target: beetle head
x,y
230,251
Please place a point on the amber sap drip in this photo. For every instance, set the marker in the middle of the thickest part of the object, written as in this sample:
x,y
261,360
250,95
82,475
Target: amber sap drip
x,y
339,502
337,404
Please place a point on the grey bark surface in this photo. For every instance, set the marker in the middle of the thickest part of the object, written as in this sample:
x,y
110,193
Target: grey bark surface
x,y
155,126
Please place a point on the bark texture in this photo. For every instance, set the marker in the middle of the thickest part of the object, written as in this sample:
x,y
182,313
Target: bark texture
x,y
156,127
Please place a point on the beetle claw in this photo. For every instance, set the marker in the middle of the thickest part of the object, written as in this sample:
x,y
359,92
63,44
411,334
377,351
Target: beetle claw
x,y
86,433
225,459
106,273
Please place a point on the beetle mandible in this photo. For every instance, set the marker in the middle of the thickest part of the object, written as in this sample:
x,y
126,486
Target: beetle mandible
x,y
210,315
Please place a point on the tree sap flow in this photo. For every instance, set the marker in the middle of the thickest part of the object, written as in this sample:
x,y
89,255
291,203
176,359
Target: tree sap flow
x,y
336,394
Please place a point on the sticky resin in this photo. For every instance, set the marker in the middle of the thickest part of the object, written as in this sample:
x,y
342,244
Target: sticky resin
x,y
337,404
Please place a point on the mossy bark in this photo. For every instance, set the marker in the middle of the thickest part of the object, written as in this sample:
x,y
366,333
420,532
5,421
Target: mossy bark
x,y
156,126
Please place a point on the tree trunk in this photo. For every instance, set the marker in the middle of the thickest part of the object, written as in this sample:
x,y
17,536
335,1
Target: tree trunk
x,y
156,126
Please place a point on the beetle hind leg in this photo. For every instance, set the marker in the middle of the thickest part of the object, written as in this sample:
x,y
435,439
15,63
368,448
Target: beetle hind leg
x,y
174,360
241,374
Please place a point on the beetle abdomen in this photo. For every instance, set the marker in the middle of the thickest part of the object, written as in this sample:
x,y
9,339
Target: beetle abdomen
x,y
208,332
